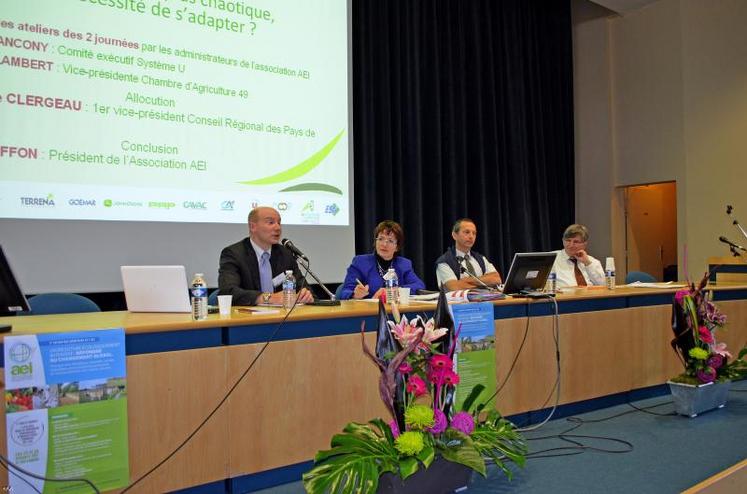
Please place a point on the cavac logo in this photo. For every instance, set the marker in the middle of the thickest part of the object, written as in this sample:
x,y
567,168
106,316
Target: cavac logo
x,y
194,205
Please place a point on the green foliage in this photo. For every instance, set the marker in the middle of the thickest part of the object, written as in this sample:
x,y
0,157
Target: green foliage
x,y
356,461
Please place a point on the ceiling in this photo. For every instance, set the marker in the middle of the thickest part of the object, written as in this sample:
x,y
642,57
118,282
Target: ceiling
x,y
623,7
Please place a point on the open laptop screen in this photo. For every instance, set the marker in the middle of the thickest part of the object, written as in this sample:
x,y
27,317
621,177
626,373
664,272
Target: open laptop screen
x,y
156,288
12,299
528,272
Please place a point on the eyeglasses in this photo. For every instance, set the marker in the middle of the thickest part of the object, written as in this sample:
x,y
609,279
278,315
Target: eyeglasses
x,y
384,240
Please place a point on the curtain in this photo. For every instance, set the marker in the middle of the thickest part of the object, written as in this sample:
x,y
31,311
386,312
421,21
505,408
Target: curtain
x,y
463,108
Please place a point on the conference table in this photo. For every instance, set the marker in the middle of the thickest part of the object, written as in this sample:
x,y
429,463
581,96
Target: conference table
x,y
313,377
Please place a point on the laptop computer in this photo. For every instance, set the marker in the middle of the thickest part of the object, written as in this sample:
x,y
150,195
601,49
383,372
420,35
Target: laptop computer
x,y
528,272
156,288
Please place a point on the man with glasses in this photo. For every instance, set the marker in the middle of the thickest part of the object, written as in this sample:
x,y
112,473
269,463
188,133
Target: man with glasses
x,y
460,267
365,275
253,269
573,265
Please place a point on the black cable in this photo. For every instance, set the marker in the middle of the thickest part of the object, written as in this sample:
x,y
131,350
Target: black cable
x,y
579,447
5,462
223,400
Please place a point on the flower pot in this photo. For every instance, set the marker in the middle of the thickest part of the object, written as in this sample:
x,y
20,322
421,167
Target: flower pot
x,y
691,400
442,477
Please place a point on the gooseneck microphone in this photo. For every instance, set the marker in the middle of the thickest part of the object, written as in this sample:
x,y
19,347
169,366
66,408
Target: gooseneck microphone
x,y
731,244
294,250
464,270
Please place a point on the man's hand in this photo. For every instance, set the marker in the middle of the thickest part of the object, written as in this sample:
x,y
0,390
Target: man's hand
x,y
493,278
304,296
583,257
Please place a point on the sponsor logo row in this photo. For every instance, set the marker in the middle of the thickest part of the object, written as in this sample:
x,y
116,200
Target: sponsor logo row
x,y
308,209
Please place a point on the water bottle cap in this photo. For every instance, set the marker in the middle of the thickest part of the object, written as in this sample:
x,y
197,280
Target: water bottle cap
x,y
199,275
289,271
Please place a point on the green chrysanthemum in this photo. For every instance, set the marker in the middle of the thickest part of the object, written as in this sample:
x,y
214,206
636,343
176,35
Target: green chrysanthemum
x,y
698,353
410,443
419,417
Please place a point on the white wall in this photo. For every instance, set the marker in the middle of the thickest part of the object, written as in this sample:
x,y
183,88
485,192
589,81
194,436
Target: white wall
x,y
677,81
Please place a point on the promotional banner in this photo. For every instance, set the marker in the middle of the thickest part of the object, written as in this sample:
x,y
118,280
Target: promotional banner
x,y
475,358
66,410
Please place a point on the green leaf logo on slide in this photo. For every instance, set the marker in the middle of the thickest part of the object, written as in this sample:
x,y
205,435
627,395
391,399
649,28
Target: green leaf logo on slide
x,y
300,170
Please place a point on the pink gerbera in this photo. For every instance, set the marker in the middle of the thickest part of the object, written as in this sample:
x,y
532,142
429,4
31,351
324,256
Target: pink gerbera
x,y
705,335
451,378
416,386
441,362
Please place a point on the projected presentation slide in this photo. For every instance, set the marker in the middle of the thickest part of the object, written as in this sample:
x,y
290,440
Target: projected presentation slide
x,y
174,110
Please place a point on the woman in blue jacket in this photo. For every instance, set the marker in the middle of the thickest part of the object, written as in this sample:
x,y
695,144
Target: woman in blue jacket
x,y
369,269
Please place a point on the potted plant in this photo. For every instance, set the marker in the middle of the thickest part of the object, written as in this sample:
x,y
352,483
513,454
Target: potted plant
x,y
428,445
709,367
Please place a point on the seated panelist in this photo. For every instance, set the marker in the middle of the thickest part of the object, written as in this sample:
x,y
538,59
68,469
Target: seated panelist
x,y
461,267
365,275
574,266
253,269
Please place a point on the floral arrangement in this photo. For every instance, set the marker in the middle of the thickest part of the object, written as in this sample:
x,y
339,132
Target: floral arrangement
x,y
695,320
417,385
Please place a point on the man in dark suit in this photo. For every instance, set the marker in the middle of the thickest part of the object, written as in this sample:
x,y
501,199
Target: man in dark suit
x,y
252,270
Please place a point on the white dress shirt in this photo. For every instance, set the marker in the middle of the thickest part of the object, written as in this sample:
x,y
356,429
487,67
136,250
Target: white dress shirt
x,y
566,277
444,273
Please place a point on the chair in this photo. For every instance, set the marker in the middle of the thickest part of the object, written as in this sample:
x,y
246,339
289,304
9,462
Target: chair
x,y
641,276
61,303
213,297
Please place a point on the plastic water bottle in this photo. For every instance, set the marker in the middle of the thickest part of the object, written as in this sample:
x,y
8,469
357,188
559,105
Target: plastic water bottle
x,y
609,273
289,290
552,282
198,291
391,286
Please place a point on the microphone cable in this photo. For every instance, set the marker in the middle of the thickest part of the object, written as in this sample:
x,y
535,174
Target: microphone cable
x,y
223,400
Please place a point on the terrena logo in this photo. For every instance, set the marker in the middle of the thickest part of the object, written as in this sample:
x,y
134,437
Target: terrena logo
x,y
38,201
82,202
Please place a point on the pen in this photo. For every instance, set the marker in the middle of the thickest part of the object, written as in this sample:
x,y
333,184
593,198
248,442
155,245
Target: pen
x,y
359,282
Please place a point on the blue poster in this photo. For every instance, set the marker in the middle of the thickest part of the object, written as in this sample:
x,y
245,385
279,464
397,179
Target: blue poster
x,y
66,410
475,358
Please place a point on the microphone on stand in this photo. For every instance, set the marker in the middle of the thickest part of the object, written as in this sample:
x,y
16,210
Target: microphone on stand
x,y
294,250
301,257
464,270
731,244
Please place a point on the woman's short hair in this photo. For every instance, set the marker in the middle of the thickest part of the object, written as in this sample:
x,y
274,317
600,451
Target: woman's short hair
x,y
392,227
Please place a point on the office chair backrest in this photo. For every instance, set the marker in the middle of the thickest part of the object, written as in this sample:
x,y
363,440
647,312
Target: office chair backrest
x,y
641,276
61,303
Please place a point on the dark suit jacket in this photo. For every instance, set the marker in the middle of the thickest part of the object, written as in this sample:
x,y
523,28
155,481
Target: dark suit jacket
x,y
364,268
238,274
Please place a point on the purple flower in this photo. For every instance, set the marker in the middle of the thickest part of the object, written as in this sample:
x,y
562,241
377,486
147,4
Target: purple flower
x,y
463,422
394,428
715,361
439,423
708,375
